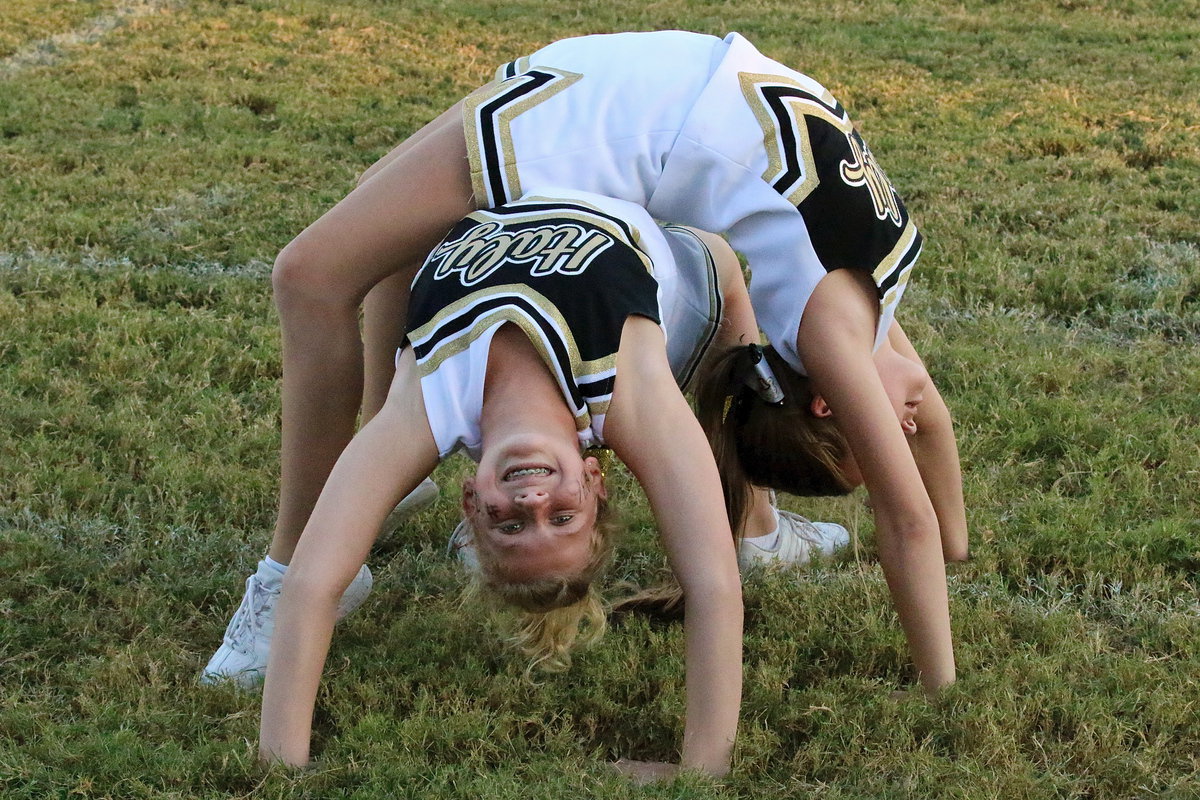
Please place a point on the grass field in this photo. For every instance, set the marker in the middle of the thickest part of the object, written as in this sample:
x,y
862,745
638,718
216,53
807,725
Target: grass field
x,y
155,155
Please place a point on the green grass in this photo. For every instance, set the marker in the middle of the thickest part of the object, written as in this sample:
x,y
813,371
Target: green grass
x,y
149,173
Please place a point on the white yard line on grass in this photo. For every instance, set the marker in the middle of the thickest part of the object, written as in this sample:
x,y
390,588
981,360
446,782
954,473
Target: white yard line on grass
x,y
52,49
85,261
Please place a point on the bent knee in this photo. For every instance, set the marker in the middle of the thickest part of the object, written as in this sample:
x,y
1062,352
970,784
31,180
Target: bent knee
x,y
956,554
296,270
301,276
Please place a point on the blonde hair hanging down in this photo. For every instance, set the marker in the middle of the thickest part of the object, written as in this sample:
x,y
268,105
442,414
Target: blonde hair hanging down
x,y
547,638
555,614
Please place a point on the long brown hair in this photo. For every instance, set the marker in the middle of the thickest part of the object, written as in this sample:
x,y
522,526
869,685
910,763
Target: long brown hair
x,y
781,446
776,445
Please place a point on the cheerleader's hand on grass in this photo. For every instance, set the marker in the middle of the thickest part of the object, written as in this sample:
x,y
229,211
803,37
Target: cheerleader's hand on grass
x,y
644,772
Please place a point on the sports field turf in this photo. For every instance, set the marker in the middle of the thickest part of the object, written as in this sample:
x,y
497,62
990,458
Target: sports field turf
x,y
155,155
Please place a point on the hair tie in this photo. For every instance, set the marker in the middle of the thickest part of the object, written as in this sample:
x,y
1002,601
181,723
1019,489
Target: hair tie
x,y
756,374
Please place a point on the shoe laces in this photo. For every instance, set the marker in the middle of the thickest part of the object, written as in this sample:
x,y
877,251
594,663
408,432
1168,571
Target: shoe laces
x,y
251,615
800,527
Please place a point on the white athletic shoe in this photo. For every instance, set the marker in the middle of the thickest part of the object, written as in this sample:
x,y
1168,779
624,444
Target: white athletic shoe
x,y
416,500
798,540
462,547
242,657
420,497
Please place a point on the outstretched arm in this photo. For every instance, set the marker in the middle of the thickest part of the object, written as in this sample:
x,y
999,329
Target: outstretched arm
x,y
936,452
835,343
652,429
383,463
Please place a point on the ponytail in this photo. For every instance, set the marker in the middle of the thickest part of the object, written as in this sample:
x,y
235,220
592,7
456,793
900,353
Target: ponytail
x,y
763,438
716,394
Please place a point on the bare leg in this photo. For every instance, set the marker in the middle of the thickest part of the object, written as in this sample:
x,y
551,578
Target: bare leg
x,y
450,117
384,312
386,305
760,519
389,223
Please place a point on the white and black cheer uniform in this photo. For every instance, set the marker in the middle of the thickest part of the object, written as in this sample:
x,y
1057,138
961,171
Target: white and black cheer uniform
x,y
706,132
567,270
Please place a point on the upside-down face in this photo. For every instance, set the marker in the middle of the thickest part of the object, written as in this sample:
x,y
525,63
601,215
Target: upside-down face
x,y
533,505
905,382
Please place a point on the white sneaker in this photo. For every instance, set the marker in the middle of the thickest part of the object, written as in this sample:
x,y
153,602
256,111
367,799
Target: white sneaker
x,y
798,540
420,497
423,497
462,547
242,657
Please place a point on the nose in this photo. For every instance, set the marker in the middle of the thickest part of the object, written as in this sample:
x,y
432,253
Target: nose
x,y
908,420
531,498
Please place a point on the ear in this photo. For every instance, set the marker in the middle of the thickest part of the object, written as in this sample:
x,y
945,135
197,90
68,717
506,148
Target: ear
x,y
819,408
469,504
595,473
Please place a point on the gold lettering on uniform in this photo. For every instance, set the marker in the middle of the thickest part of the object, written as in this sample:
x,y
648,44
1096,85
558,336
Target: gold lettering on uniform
x,y
560,247
528,243
572,252
594,244
566,249
865,171
464,250
490,257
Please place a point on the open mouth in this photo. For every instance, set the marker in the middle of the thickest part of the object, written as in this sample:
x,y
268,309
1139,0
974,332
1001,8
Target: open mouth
x,y
525,472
